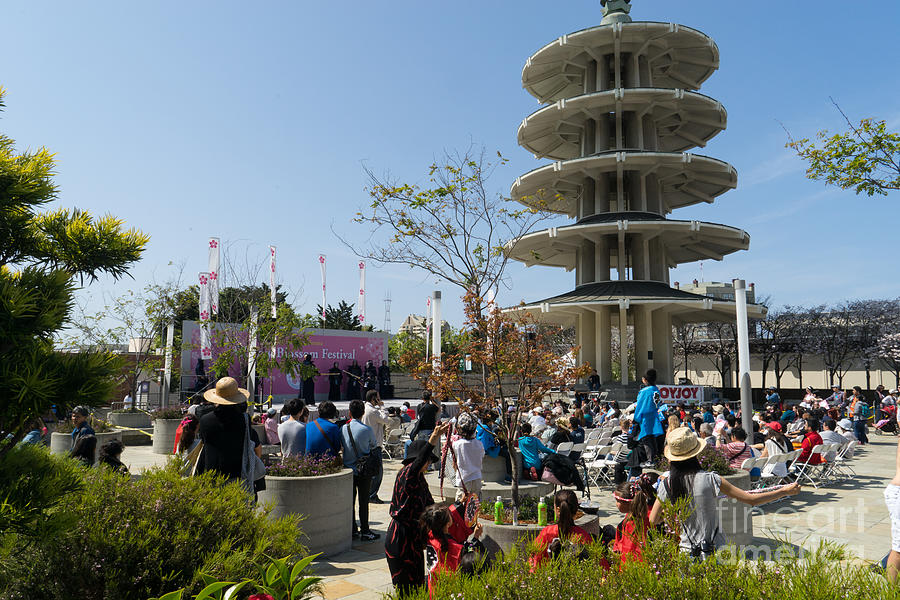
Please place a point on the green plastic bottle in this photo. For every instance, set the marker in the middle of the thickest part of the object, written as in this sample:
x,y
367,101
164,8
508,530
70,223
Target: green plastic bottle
x,y
498,511
542,513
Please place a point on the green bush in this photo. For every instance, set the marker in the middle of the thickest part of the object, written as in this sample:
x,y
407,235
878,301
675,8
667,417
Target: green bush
x,y
133,539
32,483
668,574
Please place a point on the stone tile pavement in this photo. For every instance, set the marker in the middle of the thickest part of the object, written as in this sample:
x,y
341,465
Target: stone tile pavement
x,y
851,513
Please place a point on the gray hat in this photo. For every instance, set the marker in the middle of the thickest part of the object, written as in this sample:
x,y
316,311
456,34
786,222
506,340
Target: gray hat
x,y
81,410
845,424
466,424
271,412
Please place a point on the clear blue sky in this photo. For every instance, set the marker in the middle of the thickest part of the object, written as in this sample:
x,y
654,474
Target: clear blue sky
x,y
251,121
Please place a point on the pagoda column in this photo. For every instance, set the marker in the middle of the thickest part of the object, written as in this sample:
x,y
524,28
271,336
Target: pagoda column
x,y
662,341
604,344
623,342
643,339
587,338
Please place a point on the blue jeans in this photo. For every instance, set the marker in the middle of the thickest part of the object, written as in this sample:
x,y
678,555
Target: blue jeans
x,y
376,479
860,427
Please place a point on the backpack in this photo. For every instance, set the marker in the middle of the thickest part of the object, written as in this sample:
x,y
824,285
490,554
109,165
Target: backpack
x,y
864,410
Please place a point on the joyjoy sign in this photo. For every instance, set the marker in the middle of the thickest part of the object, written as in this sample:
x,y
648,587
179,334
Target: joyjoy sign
x,y
687,393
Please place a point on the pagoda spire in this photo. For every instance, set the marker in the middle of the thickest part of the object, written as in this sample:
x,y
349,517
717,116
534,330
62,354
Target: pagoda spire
x,y
615,11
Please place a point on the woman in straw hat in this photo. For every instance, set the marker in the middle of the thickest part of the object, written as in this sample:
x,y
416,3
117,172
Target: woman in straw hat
x,y
701,535
225,432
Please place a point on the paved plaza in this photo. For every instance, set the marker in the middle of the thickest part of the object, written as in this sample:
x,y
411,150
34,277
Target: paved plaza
x,y
850,513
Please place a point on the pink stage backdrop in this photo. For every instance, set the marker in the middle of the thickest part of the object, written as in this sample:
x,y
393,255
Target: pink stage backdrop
x,y
326,346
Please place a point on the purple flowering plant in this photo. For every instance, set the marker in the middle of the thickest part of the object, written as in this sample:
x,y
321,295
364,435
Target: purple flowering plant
x,y
305,466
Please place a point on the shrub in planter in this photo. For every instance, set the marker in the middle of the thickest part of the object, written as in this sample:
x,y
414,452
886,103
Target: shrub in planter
x,y
172,412
305,466
710,460
131,540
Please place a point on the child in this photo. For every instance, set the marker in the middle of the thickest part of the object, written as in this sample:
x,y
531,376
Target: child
x,y
551,538
444,550
634,499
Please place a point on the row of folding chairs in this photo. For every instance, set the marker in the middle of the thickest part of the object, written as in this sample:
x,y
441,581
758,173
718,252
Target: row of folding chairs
x,y
835,466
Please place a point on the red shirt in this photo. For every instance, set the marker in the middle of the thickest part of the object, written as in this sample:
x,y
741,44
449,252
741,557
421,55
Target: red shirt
x,y
628,543
550,533
810,441
411,412
448,560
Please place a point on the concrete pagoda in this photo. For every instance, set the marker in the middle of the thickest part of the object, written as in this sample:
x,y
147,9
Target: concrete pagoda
x,y
621,112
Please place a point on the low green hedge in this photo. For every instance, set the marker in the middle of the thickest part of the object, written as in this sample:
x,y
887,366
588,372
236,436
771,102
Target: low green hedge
x,y
130,540
668,574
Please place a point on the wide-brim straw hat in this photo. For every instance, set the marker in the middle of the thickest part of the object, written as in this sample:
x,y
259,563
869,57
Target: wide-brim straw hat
x,y
682,444
227,392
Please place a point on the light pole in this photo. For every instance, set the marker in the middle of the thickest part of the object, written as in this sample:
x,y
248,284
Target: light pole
x,y
743,335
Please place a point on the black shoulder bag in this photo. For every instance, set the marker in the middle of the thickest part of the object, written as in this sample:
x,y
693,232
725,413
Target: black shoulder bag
x,y
365,466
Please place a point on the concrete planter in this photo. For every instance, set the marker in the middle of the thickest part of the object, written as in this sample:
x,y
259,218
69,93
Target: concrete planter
x,y
164,435
326,503
135,419
61,443
736,518
498,538
261,433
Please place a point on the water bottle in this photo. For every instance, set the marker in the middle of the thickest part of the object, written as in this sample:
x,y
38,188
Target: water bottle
x,y
498,511
542,513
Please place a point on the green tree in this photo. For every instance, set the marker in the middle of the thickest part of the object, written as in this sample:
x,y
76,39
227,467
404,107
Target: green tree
x,y
865,158
43,257
342,317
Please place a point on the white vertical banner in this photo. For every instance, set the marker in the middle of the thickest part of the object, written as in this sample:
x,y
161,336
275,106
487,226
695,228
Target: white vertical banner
x,y
214,275
427,325
361,303
322,265
272,296
205,346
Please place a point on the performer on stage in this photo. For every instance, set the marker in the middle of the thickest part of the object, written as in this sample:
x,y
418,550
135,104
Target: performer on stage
x,y
384,380
335,376
353,381
371,376
309,383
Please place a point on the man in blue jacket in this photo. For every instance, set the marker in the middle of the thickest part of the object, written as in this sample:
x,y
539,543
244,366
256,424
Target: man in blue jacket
x,y
651,436
492,446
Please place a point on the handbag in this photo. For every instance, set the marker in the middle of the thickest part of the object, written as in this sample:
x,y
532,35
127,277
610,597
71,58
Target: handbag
x,y
192,461
257,466
365,466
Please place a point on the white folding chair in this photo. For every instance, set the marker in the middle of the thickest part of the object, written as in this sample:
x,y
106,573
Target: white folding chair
x,y
841,466
767,471
598,467
393,443
564,448
811,472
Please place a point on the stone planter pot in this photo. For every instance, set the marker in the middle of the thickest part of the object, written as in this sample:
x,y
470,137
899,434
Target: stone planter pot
x,y
136,419
498,538
61,443
261,433
164,435
736,518
325,502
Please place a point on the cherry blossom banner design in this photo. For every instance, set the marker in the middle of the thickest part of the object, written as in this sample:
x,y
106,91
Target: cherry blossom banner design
x,y
322,265
205,346
214,275
361,303
272,280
